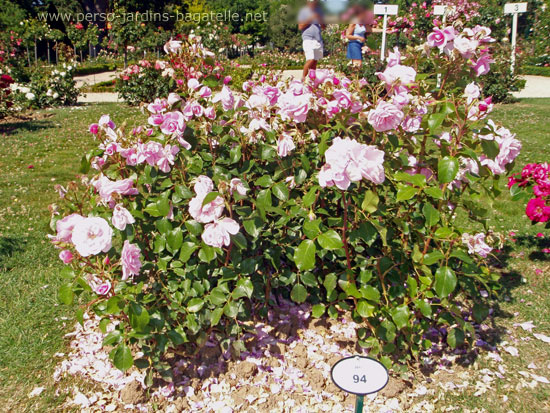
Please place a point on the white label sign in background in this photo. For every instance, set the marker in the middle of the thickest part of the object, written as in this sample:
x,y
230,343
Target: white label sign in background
x,y
511,8
441,9
388,9
360,375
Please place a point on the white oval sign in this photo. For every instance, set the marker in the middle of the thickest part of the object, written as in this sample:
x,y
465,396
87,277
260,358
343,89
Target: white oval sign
x,y
360,375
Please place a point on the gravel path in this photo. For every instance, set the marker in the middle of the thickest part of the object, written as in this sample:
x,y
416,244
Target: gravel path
x,y
93,79
536,86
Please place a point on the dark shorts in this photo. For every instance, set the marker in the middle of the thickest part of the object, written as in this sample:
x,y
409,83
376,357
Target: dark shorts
x,y
354,50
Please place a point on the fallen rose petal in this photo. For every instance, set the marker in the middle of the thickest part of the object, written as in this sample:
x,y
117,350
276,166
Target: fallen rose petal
x,y
37,391
542,337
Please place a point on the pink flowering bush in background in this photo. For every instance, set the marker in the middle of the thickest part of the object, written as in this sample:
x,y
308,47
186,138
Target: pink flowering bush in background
x,y
334,191
533,183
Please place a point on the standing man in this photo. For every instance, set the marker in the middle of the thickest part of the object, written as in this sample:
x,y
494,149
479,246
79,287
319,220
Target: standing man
x,y
310,23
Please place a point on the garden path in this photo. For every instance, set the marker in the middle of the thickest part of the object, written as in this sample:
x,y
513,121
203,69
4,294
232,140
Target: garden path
x,y
94,78
535,87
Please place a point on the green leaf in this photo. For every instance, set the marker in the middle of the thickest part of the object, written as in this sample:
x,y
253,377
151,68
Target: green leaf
x,y
330,282
435,120
370,293
434,192
311,228
310,197
210,197
253,226
386,331
309,279
490,148
65,294
280,190
400,316
122,358
139,317
112,338
406,193
298,293
215,316
195,304
318,310
235,154
175,239
304,255
433,257
424,307
480,312
447,169
330,240
244,288
370,203
217,296
263,200
431,214
455,337
364,309
186,250
445,281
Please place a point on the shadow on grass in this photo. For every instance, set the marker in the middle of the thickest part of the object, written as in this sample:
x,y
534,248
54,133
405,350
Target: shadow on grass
x,y
9,246
25,124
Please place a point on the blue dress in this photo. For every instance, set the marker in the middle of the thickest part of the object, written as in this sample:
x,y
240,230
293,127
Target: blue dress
x,y
355,46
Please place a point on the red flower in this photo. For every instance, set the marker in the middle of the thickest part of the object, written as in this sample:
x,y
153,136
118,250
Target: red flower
x,y
537,211
78,26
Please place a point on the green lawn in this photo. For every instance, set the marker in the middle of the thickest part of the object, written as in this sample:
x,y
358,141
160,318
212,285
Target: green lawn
x,y
38,154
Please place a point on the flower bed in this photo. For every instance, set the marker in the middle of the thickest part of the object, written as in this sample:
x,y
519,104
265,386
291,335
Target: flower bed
x,y
332,191
47,88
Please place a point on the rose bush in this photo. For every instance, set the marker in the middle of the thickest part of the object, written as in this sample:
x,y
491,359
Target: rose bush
x,y
195,223
147,80
47,88
534,179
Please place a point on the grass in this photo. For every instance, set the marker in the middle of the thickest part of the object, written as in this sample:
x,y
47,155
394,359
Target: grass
x,y
37,154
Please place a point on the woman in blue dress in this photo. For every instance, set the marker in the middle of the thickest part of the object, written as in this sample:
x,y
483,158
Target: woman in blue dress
x,y
356,34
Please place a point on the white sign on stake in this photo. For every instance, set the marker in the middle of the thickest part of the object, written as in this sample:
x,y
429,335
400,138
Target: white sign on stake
x,y
385,10
514,9
359,375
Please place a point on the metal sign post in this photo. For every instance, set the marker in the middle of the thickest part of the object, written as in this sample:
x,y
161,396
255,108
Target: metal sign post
x,y
385,10
514,9
359,375
443,10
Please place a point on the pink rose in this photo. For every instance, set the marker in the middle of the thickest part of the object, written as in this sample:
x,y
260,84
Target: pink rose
x,y
66,256
285,145
65,227
397,75
226,98
193,84
103,288
91,236
106,188
173,123
217,234
476,244
94,128
130,260
121,217
172,46
385,116
483,65
237,185
205,92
